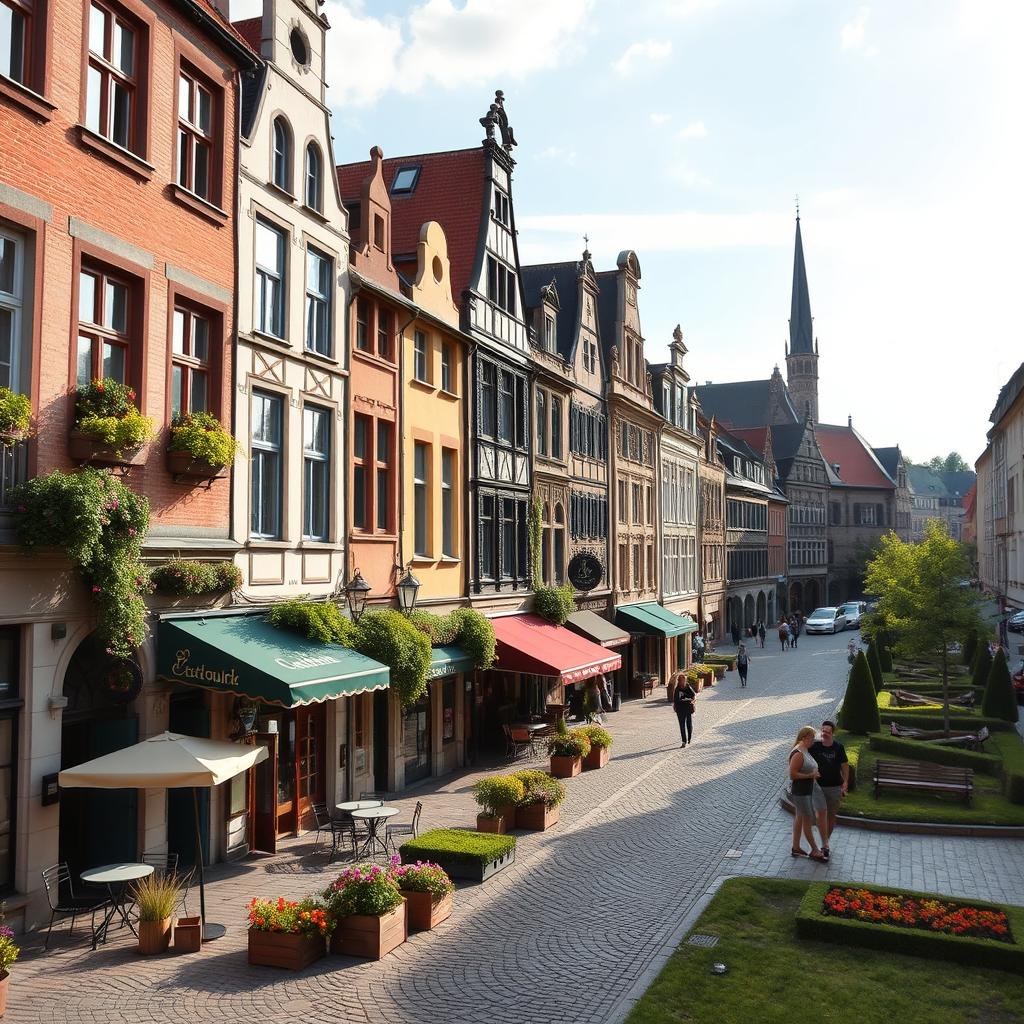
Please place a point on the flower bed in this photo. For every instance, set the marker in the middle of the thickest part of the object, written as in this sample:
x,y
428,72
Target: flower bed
x,y
921,924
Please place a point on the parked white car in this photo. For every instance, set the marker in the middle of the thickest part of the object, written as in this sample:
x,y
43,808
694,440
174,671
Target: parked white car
x,y
853,610
826,620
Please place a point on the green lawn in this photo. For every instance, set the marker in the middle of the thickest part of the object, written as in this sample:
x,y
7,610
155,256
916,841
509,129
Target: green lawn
x,y
988,805
774,977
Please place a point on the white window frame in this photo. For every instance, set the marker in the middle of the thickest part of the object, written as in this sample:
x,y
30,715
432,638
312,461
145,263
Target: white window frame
x,y
13,302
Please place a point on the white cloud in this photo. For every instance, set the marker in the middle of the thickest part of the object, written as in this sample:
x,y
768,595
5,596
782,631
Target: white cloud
x,y
694,130
660,118
855,34
650,51
686,8
559,154
442,44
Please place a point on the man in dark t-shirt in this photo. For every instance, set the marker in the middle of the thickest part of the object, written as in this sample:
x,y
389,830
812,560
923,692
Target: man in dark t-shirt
x,y
834,767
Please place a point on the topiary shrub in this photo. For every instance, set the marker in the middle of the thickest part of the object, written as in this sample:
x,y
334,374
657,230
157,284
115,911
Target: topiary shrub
x,y
1014,787
202,436
885,658
859,713
555,604
1000,700
982,667
875,665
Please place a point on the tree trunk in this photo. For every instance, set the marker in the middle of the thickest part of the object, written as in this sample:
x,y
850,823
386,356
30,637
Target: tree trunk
x,y
945,688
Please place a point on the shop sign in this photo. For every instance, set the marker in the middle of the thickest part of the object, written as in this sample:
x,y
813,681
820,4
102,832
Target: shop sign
x,y
585,571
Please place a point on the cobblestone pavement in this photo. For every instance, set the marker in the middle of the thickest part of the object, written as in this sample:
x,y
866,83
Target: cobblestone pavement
x,y
571,931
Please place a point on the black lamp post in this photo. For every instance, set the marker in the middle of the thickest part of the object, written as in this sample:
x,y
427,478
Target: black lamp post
x,y
408,587
356,591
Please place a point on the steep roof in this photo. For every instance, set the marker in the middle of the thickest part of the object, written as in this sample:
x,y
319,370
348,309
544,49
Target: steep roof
x,y
858,466
924,482
253,83
745,403
754,437
449,189
801,327
566,279
1007,395
608,307
251,30
959,482
786,438
890,459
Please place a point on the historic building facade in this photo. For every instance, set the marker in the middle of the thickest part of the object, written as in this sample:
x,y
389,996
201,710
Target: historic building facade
x,y
711,529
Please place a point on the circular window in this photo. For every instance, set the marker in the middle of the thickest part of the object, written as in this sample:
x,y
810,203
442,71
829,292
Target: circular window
x,y
438,269
300,48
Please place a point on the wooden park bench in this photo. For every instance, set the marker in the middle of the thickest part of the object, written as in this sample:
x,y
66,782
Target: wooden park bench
x,y
932,778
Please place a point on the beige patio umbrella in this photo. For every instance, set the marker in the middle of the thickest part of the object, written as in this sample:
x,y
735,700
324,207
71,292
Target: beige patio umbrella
x,y
169,761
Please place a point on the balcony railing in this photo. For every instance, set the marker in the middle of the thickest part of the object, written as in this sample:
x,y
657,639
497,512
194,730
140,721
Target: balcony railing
x,y
13,470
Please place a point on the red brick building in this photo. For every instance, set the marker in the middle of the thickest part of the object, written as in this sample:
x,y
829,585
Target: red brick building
x,y
117,241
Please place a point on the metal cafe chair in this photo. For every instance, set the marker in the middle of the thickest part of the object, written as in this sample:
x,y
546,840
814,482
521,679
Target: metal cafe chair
x,y
60,893
326,825
404,828
164,866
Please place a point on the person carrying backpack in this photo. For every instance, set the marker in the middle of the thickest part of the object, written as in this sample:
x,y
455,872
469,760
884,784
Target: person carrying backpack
x,y
742,663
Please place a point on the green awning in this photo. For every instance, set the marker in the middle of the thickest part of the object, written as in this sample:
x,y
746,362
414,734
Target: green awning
x,y
446,661
652,619
245,655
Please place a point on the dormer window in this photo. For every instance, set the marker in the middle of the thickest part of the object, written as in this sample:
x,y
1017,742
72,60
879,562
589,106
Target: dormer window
x,y
501,207
282,155
378,231
405,180
549,334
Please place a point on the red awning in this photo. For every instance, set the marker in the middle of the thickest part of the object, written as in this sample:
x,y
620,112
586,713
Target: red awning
x,y
528,643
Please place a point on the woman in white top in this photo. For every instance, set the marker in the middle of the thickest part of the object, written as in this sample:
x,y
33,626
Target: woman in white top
x,y
803,771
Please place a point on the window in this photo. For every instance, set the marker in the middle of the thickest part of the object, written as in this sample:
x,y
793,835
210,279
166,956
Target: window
x,y
447,368
420,358
487,399
361,472
506,407
549,334
16,31
448,502
421,506
485,557
10,667
195,136
378,231
314,177
190,362
12,295
556,427
362,325
316,473
542,422
638,507
637,568
501,285
267,468
104,319
559,548
501,207
545,545
112,78
299,47
384,488
385,321
623,502
270,279
508,537
405,180
281,170
319,288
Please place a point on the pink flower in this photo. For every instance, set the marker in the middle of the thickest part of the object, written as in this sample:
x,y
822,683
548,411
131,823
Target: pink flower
x,y
96,589
132,531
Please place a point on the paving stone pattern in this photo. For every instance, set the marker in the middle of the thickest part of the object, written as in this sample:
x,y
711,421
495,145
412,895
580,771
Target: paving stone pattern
x,y
573,930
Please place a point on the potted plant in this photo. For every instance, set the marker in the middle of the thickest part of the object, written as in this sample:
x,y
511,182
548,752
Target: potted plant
x,y
108,427
427,890
538,809
9,952
706,674
474,856
370,912
287,933
15,416
498,795
199,447
155,896
600,740
567,750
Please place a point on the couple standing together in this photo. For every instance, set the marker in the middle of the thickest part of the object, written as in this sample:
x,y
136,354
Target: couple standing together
x,y
820,774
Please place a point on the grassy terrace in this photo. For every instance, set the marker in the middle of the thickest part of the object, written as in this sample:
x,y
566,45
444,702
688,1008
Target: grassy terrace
x,y
775,977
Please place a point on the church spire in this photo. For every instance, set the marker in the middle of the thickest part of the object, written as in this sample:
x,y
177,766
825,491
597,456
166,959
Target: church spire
x,y
801,339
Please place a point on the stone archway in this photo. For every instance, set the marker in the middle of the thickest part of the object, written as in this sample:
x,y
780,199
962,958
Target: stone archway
x,y
812,597
835,591
748,610
796,596
762,608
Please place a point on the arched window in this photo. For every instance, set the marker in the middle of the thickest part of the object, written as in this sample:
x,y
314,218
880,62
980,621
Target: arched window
x,y
545,545
314,177
282,154
559,545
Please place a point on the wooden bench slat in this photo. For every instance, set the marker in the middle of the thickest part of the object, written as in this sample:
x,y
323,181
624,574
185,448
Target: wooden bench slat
x,y
923,776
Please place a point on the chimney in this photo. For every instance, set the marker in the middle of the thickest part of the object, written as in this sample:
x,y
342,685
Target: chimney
x,y
849,421
707,382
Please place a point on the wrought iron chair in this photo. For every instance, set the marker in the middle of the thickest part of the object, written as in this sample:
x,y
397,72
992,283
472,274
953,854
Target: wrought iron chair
x,y
519,742
332,827
404,828
165,865
60,893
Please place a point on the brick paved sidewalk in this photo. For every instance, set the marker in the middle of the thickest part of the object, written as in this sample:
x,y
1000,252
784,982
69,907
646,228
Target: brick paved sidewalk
x,y
564,935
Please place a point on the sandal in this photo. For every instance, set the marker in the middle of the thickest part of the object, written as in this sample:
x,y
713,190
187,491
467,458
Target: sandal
x,y
825,850
797,852
818,856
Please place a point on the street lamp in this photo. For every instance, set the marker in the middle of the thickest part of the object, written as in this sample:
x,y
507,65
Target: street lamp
x,y
356,591
408,587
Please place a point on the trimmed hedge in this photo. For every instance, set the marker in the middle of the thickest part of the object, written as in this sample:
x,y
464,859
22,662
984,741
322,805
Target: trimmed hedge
x,y
1000,699
922,750
1014,787
875,665
859,712
930,720
811,923
458,845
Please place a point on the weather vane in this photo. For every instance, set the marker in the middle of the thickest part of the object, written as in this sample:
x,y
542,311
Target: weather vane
x,y
798,206
586,241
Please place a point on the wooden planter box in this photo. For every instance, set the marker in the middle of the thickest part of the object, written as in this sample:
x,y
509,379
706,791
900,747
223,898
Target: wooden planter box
x,y
422,913
184,465
536,817
597,758
707,678
5,979
188,935
371,937
280,949
565,767
83,448
719,671
498,825
154,936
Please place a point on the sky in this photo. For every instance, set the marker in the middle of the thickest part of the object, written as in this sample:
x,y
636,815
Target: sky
x,y
685,130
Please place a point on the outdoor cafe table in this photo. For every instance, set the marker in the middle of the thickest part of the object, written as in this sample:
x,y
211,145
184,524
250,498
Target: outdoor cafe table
x,y
373,816
347,808
116,878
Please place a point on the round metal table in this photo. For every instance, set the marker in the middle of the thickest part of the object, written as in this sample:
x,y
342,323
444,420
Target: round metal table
x,y
373,816
116,878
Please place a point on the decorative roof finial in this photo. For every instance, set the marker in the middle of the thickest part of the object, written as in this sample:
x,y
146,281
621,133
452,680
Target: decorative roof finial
x,y
798,206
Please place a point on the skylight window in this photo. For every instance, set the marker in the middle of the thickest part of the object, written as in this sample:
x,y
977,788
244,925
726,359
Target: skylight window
x,y
405,180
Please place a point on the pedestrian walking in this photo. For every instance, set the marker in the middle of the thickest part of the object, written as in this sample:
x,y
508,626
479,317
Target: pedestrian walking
x,y
761,633
735,633
784,634
803,773
794,632
742,663
834,770
698,647
684,701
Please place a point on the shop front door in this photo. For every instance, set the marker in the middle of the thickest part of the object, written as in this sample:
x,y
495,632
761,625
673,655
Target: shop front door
x,y
417,741
300,769
310,774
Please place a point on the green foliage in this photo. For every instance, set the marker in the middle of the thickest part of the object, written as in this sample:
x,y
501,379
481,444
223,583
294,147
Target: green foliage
x,y
15,413
121,433
921,601
203,436
875,665
364,889
9,952
423,876
100,524
885,658
389,637
494,792
1000,700
534,528
982,668
952,463
599,737
539,787
183,577
102,398
466,627
970,649
859,712
1015,787
315,620
456,844
555,604
156,896
569,744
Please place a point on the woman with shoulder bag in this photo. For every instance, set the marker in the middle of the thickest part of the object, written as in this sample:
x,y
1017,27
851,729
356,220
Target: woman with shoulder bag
x,y
684,702
803,772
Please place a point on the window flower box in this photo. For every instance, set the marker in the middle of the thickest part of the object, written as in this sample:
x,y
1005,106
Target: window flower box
x,y
186,466
85,448
370,936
